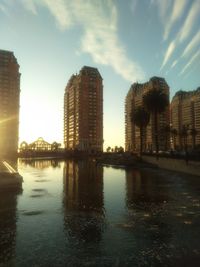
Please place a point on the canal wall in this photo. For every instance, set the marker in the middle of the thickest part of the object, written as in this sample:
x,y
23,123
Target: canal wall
x,y
193,167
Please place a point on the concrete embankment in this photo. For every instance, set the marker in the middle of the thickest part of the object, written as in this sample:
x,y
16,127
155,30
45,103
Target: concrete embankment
x,y
193,167
123,160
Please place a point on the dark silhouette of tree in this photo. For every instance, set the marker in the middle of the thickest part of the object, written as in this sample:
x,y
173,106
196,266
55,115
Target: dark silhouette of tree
x,y
193,133
55,146
184,136
120,149
116,149
108,149
165,132
174,133
140,117
156,102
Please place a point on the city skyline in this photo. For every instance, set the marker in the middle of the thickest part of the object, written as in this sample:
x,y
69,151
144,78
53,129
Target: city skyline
x,y
127,43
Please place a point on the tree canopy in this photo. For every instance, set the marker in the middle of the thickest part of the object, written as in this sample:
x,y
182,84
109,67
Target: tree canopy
x,y
156,100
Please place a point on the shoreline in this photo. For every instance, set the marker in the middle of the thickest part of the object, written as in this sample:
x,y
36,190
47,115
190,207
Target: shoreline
x,y
123,160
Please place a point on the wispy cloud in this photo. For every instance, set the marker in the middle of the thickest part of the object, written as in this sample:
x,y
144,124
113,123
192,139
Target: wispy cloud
x,y
174,63
133,5
98,20
30,5
177,12
195,56
192,45
191,18
163,8
2,8
61,10
168,53
184,33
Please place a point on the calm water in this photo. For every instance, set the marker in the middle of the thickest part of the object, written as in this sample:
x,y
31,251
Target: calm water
x,y
78,214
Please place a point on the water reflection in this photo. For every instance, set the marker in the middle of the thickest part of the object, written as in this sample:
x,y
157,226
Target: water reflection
x,y
154,201
40,163
146,211
152,217
8,219
83,201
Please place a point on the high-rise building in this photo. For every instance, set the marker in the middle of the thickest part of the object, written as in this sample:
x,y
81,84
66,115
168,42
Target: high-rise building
x,y
185,112
83,111
9,103
133,100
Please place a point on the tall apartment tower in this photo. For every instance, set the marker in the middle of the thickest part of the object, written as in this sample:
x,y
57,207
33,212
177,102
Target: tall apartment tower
x,y
9,103
83,111
134,99
185,111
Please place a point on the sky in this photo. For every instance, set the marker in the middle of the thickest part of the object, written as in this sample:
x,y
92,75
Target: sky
x,y
127,40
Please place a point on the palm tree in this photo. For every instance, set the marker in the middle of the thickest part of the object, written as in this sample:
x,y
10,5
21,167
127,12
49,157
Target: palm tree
x,y
184,135
174,133
193,133
140,117
55,146
156,102
165,131
108,149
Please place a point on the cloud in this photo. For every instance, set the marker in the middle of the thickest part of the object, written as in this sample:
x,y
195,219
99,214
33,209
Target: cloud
x,y
177,12
190,20
195,56
183,33
168,53
30,5
98,20
133,5
60,9
163,7
193,44
2,8
174,63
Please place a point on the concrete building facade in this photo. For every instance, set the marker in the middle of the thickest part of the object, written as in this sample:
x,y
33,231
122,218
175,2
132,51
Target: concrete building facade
x,y
133,100
83,111
9,103
185,112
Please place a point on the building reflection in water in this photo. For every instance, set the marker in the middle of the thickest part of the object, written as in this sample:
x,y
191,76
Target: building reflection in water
x,y
41,164
83,201
8,220
147,208
143,187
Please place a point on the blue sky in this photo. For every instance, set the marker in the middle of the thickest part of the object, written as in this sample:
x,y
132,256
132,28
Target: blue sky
x,y
127,40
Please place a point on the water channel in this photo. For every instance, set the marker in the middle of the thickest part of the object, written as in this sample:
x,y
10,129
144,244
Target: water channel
x,y
80,214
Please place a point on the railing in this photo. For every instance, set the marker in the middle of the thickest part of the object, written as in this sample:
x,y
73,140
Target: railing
x,y
8,167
